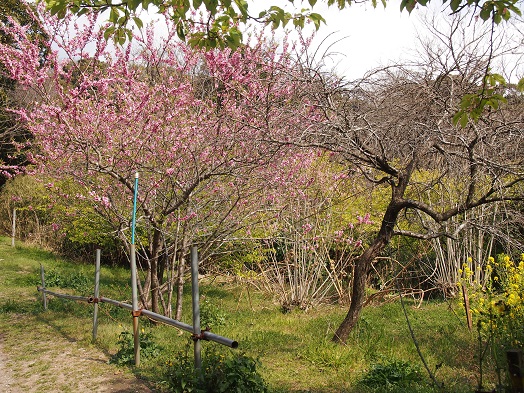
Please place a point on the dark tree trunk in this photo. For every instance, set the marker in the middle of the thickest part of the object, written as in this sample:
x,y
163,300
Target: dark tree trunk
x,y
362,268
180,279
155,283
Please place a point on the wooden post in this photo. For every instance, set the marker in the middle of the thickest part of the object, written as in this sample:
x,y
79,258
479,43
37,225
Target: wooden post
x,y
42,278
13,232
96,294
466,307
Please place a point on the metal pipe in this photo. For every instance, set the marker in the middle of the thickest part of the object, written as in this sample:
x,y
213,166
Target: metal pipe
x,y
64,296
168,321
205,335
219,339
13,231
196,309
134,289
97,293
115,303
42,278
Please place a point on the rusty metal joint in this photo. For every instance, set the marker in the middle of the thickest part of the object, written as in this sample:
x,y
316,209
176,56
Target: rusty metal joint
x,y
137,313
201,336
93,300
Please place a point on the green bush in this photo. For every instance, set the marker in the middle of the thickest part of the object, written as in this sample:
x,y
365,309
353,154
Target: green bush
x,y
235,373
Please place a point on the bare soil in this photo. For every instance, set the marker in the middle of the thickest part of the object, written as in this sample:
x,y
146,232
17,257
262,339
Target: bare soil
x,y
39,358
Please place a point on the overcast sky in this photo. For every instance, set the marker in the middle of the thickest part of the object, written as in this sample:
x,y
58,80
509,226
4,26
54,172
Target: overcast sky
x,y
368,37
363,37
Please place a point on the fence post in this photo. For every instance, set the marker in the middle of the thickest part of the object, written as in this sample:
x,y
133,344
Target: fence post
x,y
134,286
196,309
13,231
42,278
96,294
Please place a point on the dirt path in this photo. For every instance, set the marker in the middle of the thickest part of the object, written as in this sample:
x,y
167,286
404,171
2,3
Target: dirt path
x,y
40,360
7,381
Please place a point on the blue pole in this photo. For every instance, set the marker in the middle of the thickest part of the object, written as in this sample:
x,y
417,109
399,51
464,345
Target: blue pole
x,y
134,288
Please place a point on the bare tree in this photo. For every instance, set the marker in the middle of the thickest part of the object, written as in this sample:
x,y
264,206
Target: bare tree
x,y
395,127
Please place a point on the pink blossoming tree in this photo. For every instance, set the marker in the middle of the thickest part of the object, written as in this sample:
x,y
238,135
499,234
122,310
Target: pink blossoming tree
x,y
195,124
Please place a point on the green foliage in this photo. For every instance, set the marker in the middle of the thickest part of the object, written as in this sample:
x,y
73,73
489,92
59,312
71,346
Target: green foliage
x,y
76,280
211,315
49,214
149,349
219,374
391,376
474,105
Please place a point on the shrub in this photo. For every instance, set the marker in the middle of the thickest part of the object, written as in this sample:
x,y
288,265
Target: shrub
x,y
391,376
234,373
497,307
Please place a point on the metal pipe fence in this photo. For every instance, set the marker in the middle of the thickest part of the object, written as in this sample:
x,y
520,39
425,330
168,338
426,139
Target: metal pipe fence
x,y
195,331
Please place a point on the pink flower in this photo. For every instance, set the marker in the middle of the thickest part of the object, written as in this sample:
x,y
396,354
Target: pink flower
x,y
365,219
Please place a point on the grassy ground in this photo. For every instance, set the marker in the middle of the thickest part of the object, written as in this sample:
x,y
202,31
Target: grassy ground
x,y
295,348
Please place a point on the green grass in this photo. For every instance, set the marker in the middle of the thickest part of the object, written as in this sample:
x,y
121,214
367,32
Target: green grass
x,y
295,348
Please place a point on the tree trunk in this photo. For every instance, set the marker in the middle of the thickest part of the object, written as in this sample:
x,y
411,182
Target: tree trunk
x,y
180,287
180,278
155,283
362,268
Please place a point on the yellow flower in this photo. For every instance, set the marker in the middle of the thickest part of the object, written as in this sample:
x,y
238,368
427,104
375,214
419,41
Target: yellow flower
x,y
513,299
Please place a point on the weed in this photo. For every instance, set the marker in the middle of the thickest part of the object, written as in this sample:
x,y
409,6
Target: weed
x,y
211,316
391,376
126,353
16,306
76,280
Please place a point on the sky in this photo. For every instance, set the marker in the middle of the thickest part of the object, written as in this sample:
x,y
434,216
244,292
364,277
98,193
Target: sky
x,y
362,37
365,37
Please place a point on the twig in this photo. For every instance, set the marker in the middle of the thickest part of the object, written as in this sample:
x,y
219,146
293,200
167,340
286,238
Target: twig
x,y
431,375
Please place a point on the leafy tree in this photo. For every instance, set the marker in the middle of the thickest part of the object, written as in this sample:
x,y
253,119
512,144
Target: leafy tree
x,y
194,123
